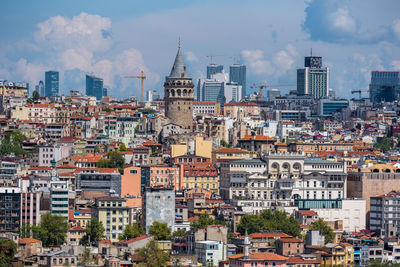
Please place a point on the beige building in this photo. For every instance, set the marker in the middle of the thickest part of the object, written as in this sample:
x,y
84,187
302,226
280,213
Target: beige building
x,y
113,213
374,180
42,113
198,147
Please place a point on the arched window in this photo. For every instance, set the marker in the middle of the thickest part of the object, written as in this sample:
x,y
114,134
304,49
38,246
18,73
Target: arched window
x,y
178,92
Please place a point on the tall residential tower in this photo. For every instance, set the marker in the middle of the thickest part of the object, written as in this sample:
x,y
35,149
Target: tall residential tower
x,y
94,87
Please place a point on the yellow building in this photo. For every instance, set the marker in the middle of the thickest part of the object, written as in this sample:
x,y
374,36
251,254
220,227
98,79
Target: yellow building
x,y
339,254
113,213
19,113
202,176
225,153
13,90
200,147
75,234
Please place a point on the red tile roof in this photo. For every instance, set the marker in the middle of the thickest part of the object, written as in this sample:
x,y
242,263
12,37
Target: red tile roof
x,y
308,213
261,256
291,240
24,241
257,138
76,228
298,260
268,235
134,239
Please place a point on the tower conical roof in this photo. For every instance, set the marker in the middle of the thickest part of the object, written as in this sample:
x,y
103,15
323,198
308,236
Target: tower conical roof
x,y
178,69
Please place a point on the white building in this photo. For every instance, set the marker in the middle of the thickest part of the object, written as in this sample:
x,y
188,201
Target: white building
x,y
209,252
50,152
204,107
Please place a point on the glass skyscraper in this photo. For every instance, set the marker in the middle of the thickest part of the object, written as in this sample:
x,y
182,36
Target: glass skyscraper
x,y
51,83
237,74
213,69
384,86
313,79
94,87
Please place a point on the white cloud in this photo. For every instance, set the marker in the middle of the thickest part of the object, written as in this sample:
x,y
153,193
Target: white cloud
x,y
281,62
191,57
396,28
342,21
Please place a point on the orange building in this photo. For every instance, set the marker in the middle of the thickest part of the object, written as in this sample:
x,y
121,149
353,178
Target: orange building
x,y
130,186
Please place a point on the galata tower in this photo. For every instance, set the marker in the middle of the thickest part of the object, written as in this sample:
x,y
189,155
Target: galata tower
x,y
178,94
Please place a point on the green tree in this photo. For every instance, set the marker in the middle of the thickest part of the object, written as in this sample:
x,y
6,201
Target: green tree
x,y
160,231
224,143
107,109
113,159
204,220
385,144
270,220
122,147
152,255
8,248
94,232
35,95
132,231
12,143
52,229
86,257
324,230
179,233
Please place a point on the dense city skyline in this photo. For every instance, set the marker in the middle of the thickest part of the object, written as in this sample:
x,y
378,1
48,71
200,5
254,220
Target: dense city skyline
x,y
270,38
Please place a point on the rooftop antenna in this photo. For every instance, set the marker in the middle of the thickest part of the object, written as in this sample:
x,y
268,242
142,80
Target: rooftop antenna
x,y
311,52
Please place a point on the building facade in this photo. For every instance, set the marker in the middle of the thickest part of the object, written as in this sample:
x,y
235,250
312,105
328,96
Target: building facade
x,y
51,83
313,79
94,87
237,74
384,86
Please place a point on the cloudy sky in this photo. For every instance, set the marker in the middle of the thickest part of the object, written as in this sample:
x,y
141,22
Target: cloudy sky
x,y
111,39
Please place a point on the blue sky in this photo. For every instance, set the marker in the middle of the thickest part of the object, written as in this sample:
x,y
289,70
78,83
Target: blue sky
x,y
111,39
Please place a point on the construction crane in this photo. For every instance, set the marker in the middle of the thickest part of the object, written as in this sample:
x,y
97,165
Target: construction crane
x,y
262,86
359,92
141,77
213,56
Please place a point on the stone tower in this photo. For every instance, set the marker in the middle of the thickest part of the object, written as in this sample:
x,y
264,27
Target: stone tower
x,y
178,94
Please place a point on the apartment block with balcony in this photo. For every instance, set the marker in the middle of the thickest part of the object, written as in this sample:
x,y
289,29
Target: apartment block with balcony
x,y
10,209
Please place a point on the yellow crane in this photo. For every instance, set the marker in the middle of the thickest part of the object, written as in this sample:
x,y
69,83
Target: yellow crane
x,y
262,86
141,77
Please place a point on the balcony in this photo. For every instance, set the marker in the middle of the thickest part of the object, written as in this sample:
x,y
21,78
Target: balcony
x,y
285,184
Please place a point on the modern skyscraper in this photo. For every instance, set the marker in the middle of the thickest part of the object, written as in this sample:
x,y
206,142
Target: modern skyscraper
x,y
237,73
152,95
213,69
313,79
40,88
94,87
51,83
385,86
178,94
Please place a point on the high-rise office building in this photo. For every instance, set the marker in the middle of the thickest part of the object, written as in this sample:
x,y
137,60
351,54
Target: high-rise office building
x,y
51,83
237,74
214,69
384,86
152,95
313,79
40,88
105,91
94,87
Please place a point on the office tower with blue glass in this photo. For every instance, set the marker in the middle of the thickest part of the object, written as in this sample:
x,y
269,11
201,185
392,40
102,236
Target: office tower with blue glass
x,y
237,74
214,69
313,80
94,87
384,86
51,83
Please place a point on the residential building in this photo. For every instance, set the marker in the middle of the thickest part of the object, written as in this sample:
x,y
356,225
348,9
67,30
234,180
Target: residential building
x,y
289,246
152,95
384,86
10,209
339,254
30,207
113,213
200,176
94,86
48,153
59,198
210,252
75,234
248,108
384,214
205,108
52,83
107,180
159,205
